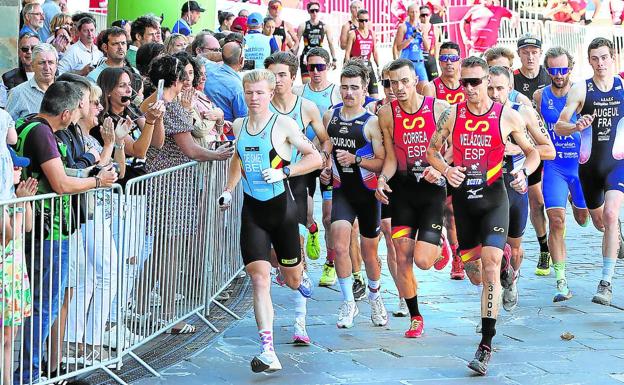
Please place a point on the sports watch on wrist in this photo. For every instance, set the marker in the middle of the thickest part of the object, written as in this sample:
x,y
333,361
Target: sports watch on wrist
x,y
358,160
286,171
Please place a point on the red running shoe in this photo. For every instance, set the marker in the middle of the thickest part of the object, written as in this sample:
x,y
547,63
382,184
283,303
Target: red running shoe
x,y
417,327
445,255
457,268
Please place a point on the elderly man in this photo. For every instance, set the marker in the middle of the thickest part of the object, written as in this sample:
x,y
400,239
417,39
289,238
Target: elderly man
x,y
82,56
206,48
33,20
191,12
26,98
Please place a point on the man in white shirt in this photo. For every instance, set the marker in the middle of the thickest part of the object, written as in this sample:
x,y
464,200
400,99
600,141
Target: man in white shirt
x,y
83,56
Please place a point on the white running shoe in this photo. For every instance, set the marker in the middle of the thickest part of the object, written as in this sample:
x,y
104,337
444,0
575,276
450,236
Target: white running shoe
x,y
300,336
348,311
267,361
402,310
379,315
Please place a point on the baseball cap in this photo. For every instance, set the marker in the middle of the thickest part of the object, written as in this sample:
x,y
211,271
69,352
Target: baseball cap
x,y
529,40
191,6
18,161
254,20
239,24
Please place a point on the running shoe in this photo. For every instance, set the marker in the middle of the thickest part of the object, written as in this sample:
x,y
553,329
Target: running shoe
x,y
480,362
313,245
563,292
347,312
305,288
507,271
510,295
402,310
265,362
300,337
328,277
359,288
457,268
543,264
446,253
603,294
621,243
417,327
379,315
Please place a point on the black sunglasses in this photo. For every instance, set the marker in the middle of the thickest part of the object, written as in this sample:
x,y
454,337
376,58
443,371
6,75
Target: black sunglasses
x,y
27,48
425,14
363,20
315,10
318,67
472,81
385,83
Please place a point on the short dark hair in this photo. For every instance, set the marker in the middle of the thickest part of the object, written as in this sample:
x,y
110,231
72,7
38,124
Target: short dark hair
x,y
362,12
108,33
354,70
286,58
168,68
83,84
186,58
473,61
451,45
500,70
424,7
311,3
60,96
498,52
320,52
85,20
76,17
554,52
400,63
600,42
146,54
141,23
224,15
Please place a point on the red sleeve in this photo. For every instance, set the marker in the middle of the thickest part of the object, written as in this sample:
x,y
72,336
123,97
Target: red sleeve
x,y
504,12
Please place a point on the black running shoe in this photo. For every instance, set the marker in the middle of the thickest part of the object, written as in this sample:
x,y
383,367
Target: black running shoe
x,y
480,362
359,289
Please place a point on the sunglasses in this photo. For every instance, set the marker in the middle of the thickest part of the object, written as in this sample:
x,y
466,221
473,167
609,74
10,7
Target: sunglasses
x,y
554,71
385,83
276,7
315,10
318,67
363,20
449,58
26,48
472,81
425,14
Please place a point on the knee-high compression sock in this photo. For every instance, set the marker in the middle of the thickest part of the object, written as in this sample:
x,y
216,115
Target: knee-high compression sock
x,y
300,305
608,268
412,305
543,243
488,331
346,287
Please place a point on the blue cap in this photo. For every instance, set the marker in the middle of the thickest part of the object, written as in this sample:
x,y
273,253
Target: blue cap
x,y
255,19
18,161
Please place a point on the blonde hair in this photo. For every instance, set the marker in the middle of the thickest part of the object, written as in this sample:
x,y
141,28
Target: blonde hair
x,y
497,52
171,40
256,76
95,92
59,20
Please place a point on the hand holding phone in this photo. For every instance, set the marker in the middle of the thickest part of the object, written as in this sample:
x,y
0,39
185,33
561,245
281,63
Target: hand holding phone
x,y
160,90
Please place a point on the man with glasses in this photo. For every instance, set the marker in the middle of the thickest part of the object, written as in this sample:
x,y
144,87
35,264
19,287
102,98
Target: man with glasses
x,y
410,43
283,29
82,56
530,77
206,49
24,70
430,41
560,174
479,129
284,66
361,45
599,103
313,32
418,191
498,90
351,24
324,95
33,20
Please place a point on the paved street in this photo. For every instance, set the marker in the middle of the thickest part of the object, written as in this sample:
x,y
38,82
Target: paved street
x,y
528,346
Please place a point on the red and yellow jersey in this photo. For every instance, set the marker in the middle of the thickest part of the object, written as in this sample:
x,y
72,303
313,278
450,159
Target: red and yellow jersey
x,y
452,96
478,145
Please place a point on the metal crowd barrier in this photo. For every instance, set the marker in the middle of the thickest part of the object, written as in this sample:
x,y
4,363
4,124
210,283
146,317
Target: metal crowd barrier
x,y
102,273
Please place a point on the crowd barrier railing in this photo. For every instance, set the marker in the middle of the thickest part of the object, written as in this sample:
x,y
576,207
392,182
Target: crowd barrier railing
x,y
87,279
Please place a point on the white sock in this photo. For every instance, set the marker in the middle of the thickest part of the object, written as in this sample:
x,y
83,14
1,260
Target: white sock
x,y
373,289
300,304
346,287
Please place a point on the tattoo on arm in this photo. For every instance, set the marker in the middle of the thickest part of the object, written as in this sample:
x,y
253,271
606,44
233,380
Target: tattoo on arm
x,y
441,132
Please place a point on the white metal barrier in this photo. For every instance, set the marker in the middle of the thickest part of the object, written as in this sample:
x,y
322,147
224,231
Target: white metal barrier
x,y
103,272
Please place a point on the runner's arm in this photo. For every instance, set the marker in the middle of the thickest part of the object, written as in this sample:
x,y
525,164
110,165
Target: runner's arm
x,y
330,43
538,133
385,124
373,133
522,99
517,129
344,35
573,105
319,129
444,129
375,57
349,45
300,33
311,159
399,40
429,90
537,101
234,170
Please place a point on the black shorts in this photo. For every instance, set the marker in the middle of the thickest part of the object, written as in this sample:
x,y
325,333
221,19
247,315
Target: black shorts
x,y
596,179
536,177
518,209
347,206
482,220
373,87
266,223
326,189
303,66
417,210
431,66
299,188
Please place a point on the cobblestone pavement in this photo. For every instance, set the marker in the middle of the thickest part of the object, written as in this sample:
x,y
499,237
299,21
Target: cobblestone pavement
x,y
528,345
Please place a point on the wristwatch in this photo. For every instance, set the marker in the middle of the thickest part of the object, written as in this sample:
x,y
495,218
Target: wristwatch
x,y
358,160
286,171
